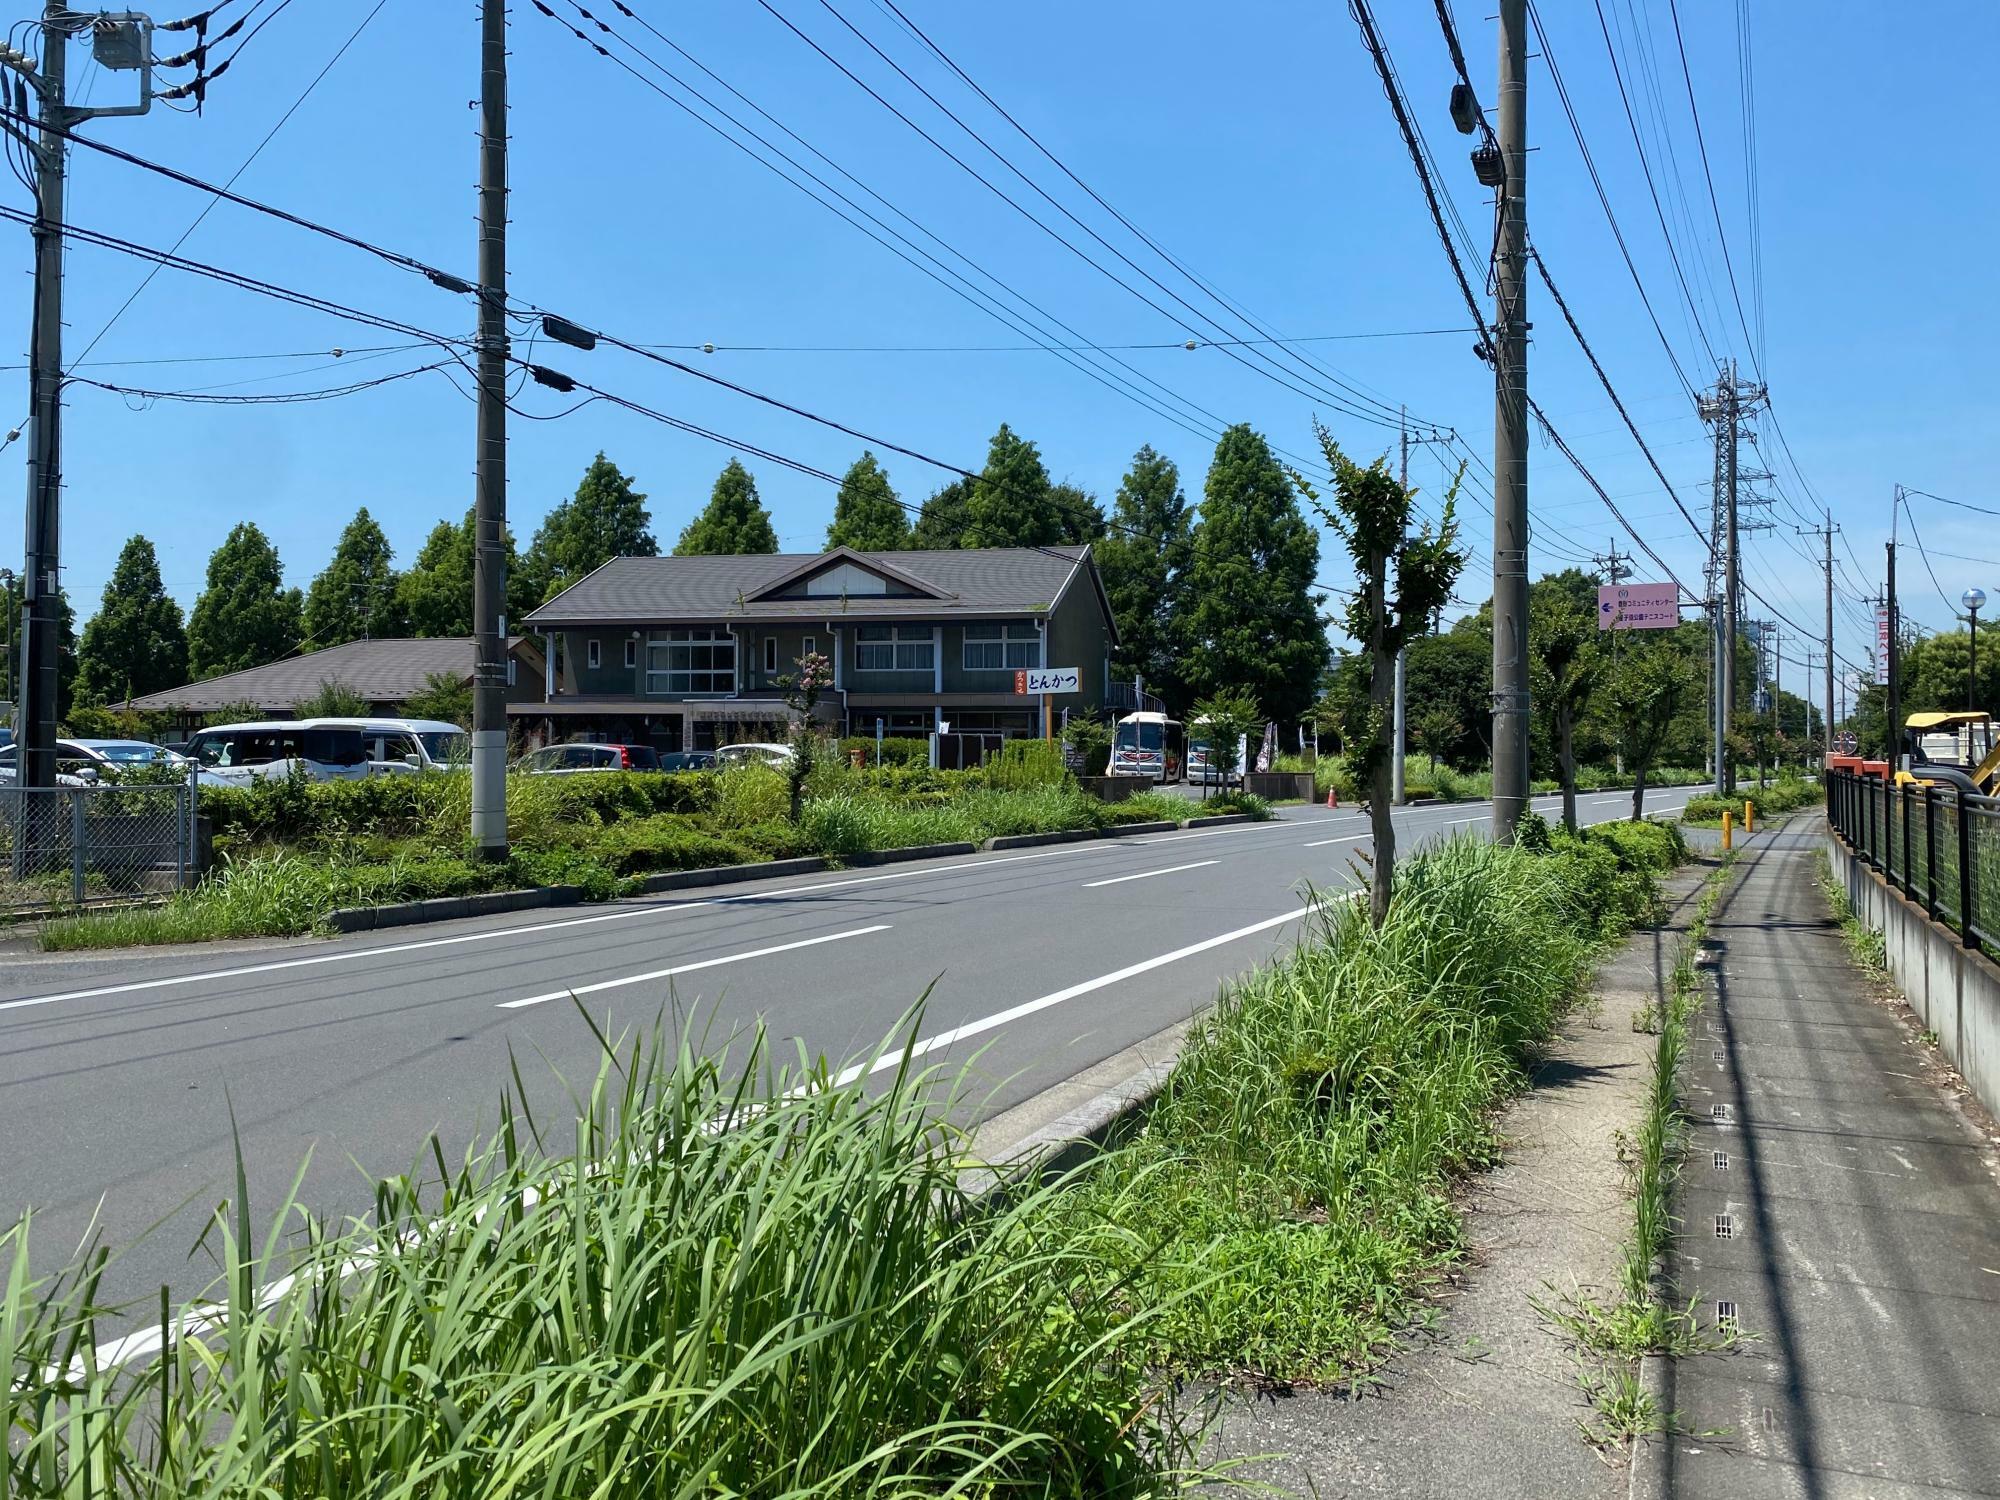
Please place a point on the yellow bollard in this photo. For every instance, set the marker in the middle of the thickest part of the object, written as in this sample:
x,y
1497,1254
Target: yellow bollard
x,y
1749,817
1726,825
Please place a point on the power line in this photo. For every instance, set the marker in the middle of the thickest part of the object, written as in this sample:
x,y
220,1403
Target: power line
x,y
268,398
1714,203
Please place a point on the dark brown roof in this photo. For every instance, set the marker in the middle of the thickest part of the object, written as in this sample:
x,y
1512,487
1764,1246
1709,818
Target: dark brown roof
x,y
665,590
382,671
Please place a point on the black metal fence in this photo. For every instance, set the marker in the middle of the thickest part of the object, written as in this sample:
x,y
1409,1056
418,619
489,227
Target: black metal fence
x,y
1938,845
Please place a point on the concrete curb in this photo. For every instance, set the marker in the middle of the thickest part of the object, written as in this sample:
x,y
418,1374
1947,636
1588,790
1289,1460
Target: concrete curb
x,y
1126,1084
770,869
1647,1477
1126,830
450,908
1036,840
915,851
1220,820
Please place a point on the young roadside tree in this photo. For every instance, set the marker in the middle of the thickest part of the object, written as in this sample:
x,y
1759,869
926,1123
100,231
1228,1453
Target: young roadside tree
x,y
1371,513
733,522
802,691
356,595
605,518
1564,663
246,616
136,643
1649,687
1249,616
1227,718
1143,559
941,522
443,697
867,516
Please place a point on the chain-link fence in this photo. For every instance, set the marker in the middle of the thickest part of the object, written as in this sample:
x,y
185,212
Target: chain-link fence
x,y
1938,845
74,846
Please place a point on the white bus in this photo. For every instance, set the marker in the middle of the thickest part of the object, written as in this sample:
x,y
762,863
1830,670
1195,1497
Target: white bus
x,y
1147,745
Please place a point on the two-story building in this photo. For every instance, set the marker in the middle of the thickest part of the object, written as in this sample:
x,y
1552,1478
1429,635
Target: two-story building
x,y
688,652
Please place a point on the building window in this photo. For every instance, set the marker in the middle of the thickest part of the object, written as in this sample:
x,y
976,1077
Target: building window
x,y
593,655
770,653
894,648
631,652
808,647
511,664
699,659
996,647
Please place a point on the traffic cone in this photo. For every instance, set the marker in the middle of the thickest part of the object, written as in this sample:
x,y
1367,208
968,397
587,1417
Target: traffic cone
x,y
1332,797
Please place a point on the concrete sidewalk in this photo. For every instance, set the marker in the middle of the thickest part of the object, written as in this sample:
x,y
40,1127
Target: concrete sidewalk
x,y
1848,1205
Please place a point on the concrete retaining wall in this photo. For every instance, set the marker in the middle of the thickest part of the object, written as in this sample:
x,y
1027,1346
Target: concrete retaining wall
x,y
1954,988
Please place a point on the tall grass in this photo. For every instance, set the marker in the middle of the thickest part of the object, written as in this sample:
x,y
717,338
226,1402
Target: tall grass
x,y
755,1282
1298,1167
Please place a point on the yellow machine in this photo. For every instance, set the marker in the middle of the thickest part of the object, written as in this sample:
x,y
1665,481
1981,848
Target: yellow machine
x,y
1950,748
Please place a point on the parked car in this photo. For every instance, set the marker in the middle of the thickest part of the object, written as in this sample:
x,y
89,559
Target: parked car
x,y
775,756
580,755
79,762
326,749
688,760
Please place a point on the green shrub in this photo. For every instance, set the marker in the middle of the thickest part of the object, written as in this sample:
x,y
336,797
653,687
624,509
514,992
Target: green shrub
x,y
843,826
1231,801
1088,741
896,750
750,794
1145,807
637,846
1292,1190
1048,808
1025,763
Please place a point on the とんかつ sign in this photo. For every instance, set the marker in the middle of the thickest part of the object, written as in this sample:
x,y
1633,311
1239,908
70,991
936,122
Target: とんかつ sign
x,y
1048,680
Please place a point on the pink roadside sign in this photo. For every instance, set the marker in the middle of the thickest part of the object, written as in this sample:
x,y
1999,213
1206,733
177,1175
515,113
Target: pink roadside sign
x,y
1638,606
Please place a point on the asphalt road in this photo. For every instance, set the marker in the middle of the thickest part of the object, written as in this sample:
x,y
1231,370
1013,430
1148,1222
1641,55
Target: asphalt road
x,y
119,1073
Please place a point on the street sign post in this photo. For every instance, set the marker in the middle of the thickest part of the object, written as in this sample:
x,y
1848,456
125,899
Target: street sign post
x,y
1638,606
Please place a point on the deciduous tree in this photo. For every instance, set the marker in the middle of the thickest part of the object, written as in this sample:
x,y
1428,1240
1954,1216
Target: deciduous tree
x,y
605,518
1564,661
1012,502
1144,561
1401,578
942,521
356,595
1250,614
435,595
734,521
136,643
245,616
867,516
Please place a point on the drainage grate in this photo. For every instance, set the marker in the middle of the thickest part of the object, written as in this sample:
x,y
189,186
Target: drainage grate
x,y
1722,1161
1725,1226
1718,1054
1718,1111
1725,1317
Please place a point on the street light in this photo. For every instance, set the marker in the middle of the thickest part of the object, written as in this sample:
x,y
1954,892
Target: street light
x,y
1972,599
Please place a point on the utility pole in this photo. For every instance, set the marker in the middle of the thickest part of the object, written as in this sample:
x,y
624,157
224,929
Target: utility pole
x,y
1895,695
1510,436
41,580
1396,764
489,575
1825,532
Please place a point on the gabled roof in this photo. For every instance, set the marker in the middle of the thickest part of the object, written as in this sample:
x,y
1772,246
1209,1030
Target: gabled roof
x,y
812,567
667,590
381,671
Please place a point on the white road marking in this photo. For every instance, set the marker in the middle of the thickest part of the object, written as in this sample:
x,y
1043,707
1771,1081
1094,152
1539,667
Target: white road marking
x,y
1090,885
1352,838
706,963
1000,1018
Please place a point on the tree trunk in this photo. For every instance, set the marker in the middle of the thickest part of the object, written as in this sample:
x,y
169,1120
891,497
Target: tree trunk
x,y
1566,763
1381,698
1639,793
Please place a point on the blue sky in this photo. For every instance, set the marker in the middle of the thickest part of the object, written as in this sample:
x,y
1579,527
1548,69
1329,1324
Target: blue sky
x,y
1257,148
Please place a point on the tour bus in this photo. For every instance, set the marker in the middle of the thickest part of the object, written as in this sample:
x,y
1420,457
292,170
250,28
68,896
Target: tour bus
x,y
1202,765
1147,745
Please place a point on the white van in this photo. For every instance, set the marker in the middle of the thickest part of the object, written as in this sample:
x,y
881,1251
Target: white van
x,y
327,749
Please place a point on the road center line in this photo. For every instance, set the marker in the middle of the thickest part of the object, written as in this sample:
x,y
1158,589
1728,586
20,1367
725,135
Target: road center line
x,y
1089,885
1352,838
943,1039
706,963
